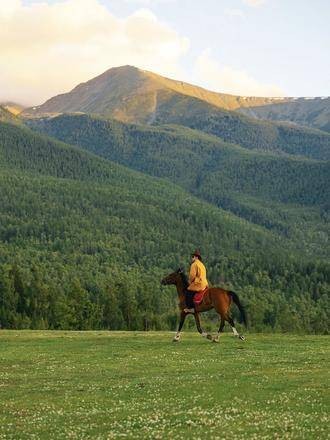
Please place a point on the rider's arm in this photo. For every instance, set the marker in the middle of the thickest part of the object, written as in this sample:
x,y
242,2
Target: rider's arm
x,y
193,273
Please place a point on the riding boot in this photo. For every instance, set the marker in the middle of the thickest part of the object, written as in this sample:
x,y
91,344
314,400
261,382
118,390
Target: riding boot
x,y
190,306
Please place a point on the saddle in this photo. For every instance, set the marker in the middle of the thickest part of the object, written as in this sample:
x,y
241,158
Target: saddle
x,y
198,297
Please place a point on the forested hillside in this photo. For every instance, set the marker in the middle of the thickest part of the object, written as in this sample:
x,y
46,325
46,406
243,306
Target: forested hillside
x,y
287,194
85,242
168,151
246,132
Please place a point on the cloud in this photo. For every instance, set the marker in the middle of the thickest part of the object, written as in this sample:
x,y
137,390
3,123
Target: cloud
x,y
225,79
254,3
47,49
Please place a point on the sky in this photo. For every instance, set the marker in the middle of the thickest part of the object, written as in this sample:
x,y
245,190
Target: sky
x,y
241,47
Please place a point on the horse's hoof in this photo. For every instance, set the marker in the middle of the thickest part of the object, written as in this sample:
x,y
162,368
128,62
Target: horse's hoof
x,y
216,339
210,337
176,339
242,338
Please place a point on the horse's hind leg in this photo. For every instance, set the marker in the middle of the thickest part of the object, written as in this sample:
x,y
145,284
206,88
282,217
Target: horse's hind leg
x,y
232,324
222,324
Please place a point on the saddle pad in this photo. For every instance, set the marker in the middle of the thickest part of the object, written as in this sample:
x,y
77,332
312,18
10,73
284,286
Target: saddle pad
x,y
198,297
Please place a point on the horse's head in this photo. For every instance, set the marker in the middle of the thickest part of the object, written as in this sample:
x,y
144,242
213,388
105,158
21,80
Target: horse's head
x,y
172,278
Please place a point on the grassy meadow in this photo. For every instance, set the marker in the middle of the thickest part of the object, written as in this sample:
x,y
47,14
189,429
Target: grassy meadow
x,y
109,385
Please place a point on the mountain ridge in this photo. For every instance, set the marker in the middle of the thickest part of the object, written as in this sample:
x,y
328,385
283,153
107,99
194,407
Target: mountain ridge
x,y
309,112
133,95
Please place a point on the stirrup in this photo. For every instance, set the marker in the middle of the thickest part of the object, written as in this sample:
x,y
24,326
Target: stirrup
x,y
186,310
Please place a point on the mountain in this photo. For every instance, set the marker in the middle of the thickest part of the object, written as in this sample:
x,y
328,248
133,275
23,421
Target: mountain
x,y
130,94
85,236
84,243
283,193
7,116
13,107
311,112
252,168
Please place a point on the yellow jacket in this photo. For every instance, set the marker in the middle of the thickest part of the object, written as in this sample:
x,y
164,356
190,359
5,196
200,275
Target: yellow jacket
x,y
197,276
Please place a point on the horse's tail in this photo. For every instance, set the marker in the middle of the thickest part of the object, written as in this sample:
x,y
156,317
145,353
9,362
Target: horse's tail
x,y
240,307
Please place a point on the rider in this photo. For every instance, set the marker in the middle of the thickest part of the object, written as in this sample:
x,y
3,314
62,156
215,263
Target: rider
x,y
197,280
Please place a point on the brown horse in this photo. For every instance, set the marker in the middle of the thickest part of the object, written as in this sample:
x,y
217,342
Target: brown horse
x,y
215,297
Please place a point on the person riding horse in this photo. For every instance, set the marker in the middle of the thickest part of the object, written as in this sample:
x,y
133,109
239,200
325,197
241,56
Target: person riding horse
x,y
197,280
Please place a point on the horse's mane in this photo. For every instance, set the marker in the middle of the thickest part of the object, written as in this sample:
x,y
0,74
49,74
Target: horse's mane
x,y
184,278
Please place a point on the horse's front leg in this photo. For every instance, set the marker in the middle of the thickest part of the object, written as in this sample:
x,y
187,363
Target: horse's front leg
x,y
182,319
198,325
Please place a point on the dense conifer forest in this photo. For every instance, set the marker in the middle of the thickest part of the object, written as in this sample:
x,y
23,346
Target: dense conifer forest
x,y
239,129
286,193
84,243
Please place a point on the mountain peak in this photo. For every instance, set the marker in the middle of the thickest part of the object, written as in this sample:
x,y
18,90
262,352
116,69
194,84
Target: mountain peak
x,y
122,73
120,70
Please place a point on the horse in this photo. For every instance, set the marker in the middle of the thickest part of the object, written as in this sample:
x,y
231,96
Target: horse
x,y
215,297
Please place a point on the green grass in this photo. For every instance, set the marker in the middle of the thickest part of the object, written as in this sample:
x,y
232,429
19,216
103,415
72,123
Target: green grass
x,y
104,385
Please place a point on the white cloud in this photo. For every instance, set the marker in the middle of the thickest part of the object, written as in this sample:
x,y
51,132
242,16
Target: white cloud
x,y
254,3
48,49
225,79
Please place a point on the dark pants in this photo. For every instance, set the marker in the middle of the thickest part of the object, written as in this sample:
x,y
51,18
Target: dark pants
x,y
190,299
